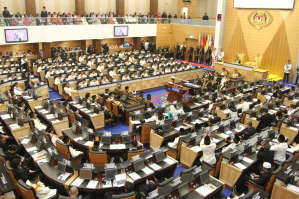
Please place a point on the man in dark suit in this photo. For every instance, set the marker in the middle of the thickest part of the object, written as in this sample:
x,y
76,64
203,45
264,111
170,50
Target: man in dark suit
x,y
205,17
263,155
6,14
265,120
19,171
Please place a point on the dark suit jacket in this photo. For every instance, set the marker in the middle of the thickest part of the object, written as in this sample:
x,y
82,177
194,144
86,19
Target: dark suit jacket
x,y
249,132
263,179
20,173
265,156
265,121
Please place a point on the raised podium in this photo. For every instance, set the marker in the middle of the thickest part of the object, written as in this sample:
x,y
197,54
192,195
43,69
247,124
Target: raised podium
x,y
175,91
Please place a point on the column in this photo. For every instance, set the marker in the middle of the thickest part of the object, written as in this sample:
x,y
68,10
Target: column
x,y
97,45
154,8
219,29
120,8
30,7
80,7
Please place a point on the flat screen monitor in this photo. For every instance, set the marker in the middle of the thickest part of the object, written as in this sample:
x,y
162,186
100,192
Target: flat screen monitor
x,y
138,165
121,31
16,35
160,156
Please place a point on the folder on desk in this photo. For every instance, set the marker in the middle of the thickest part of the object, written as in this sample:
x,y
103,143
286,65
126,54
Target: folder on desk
x,y
248,160
204,190
147,170
240,166
134,176
169,161
64,176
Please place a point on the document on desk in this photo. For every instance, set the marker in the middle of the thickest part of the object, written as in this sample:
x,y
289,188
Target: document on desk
x,y
78,138
39,154
108,184
169,161
42,161
5,116
204,190
25,141
134,176
135,122
293,188
117,146
248,160
147,171
34,148
50,116
196,148
77,182
215,140
88,143
14,126
55,121
240,166
92,184
293,148
64,176
154,166
38,107
223,135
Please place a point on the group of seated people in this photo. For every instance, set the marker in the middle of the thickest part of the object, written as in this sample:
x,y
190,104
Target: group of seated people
x,y
95,70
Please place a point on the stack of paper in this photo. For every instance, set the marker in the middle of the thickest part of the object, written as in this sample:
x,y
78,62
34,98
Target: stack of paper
x,y
6,116
154,166
92,184
196,148
169,161
204,190
248,160
64,176
77,182
117,146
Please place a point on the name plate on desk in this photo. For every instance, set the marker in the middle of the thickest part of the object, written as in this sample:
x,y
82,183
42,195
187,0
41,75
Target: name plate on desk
x,y
154,166
169,161
92,184
134,176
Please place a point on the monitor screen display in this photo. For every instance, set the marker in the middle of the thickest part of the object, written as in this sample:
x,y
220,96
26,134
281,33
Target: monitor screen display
x,y
121,31
16,35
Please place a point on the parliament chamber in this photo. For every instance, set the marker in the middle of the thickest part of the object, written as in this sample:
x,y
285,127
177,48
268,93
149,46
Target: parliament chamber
x,y
144,99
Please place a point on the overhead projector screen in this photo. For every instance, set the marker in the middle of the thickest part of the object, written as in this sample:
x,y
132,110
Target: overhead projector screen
x,y
265,4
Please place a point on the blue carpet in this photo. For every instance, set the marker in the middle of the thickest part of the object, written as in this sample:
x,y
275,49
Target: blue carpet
x,y
53,95
178,171
225,192
117,129
159,96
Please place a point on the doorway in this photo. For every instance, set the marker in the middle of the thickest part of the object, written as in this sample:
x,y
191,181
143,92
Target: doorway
x,y
185,12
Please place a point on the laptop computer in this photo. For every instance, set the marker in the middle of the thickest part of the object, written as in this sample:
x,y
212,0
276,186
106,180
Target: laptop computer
x,y
160,156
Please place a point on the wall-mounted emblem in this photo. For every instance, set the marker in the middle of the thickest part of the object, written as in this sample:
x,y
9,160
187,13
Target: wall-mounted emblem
x,y
260,19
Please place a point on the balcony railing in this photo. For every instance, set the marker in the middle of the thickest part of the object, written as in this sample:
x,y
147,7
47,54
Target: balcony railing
x,y
39,21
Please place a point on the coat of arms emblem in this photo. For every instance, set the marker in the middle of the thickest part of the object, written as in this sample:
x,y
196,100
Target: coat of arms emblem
x,y
260,19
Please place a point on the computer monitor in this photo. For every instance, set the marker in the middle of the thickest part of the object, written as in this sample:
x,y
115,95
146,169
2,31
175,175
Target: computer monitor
x,y
204,177
110,173
160,156
61,166
86,173
126,139
138,164
232,124
106,139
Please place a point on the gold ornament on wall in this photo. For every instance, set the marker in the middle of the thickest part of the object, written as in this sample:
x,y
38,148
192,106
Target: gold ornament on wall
x,y
260,19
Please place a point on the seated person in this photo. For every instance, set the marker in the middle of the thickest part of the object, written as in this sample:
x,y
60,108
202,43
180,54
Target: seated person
x,y
232,146
5,141
42,191
263,155
19,171
265,120
280,149
74,153
208,149
12,152
260,180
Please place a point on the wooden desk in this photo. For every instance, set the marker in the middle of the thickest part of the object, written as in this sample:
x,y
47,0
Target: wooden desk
x,y
43,91
98,121
289,132
187,155
21,132
155,140
246,72
229,174
60,126
262,98
255,122
288,102
3,107
33,103
280,191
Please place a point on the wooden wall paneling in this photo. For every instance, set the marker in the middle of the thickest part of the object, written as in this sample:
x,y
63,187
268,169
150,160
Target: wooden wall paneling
x,y
279,44
154,8
120,8
30,7
35,48
80,7
137,42
67,44
46,49
15,49
262,41
83,45
98,45
192,8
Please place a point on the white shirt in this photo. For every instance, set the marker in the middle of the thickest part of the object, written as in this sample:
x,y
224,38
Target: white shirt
x,y
231,146
208,152
280,151
287,68
42,192
68,90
